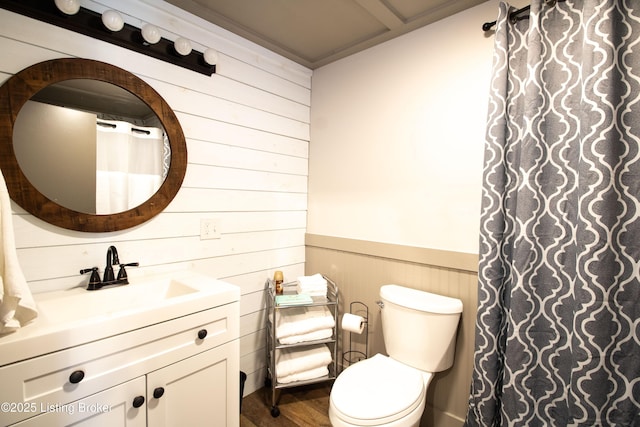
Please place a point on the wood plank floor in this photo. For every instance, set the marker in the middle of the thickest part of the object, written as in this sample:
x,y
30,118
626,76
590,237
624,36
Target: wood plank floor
x,y
299,406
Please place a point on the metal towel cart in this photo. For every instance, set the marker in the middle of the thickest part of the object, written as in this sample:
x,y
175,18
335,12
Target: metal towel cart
x,y
331,302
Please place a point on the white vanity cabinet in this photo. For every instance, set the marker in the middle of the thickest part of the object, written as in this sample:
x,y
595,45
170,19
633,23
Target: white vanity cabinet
x,y
190,363
112,407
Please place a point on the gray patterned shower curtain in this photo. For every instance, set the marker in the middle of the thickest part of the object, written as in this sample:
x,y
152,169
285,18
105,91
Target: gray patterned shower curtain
x,y
558,324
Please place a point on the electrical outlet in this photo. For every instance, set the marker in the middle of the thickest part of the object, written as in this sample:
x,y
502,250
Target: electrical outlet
x,y
209,229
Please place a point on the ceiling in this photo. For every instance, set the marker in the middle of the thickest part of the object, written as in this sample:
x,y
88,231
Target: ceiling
x,y
314,33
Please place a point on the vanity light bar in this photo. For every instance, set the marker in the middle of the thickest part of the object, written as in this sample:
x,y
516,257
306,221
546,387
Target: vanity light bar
x,y
90,24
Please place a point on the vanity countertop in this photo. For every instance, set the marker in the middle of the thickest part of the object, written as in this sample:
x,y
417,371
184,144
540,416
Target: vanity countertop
x,y
49,333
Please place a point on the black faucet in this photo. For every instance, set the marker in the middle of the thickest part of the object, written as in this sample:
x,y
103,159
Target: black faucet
x,y
112,259
108,278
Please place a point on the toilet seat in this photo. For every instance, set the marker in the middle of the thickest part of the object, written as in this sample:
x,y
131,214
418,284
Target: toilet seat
x,y
377,391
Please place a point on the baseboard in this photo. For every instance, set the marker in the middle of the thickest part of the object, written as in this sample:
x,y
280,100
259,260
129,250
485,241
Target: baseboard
x,y
438,418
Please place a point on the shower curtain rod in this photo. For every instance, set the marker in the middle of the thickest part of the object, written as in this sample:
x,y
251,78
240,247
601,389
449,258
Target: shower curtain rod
x,y
513,15
111,125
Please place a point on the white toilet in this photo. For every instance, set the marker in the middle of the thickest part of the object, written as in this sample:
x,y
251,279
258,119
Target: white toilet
x,y
419,330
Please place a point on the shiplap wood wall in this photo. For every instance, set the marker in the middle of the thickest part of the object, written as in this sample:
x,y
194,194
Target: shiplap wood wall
x,y
247,131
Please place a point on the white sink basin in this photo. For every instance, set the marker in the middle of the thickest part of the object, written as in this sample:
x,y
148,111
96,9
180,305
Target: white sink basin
x,y
77,316
114,301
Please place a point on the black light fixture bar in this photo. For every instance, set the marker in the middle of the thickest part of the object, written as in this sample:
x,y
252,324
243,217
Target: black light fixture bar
x,y
90,24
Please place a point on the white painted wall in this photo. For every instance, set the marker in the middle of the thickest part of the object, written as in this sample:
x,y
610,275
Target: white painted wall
x,y
247,131
397,135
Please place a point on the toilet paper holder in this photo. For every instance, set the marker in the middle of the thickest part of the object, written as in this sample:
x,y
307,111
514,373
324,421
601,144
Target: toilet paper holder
x,y
353,356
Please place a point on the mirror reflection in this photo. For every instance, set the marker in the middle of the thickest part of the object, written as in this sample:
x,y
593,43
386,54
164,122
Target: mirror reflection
x,y
91,146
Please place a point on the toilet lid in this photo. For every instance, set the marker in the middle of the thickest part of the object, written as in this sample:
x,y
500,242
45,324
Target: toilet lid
x,y
377,390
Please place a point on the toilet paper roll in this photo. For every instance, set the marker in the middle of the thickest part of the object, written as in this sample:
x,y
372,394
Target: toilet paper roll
x,y
353,323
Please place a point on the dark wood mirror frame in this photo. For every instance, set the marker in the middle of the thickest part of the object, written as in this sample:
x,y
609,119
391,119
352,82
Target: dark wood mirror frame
x,y
16,91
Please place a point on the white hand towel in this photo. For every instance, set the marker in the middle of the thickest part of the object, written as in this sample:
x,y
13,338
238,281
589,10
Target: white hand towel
x,y
318,292
315,281
17,306
315,285
302,320
295,361
322,334
311,374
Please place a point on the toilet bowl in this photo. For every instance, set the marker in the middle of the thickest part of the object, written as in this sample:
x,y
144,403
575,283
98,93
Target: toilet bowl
x,y
378,391
419,330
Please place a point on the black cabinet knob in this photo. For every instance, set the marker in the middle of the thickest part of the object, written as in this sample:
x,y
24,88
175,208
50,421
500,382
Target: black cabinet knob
x,y
76,377
158,392
202,333
138,401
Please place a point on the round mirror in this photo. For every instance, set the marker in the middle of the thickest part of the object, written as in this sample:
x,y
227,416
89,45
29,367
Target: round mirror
x,y
91,146
88,146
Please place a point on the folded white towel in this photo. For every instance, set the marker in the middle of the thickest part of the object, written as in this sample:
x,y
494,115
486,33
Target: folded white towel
x,y
315,285
311,374
322,292
290,361
17,306
311,336
312,281
302,320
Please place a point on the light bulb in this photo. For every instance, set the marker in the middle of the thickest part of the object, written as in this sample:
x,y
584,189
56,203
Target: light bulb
x,y
112,20
150,33
69,7
182,46
211,56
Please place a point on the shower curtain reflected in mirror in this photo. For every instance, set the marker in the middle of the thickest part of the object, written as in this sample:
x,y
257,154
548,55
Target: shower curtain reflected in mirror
x,y
558,323
131,164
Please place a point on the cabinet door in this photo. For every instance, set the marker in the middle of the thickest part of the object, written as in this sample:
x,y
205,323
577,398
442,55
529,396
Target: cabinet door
x,y
110,408
203,390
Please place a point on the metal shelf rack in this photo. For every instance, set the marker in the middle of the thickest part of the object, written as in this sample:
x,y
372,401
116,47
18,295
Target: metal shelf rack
x,y
331,302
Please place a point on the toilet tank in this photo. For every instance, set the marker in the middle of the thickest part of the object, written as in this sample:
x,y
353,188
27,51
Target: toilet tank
x,y
419,327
